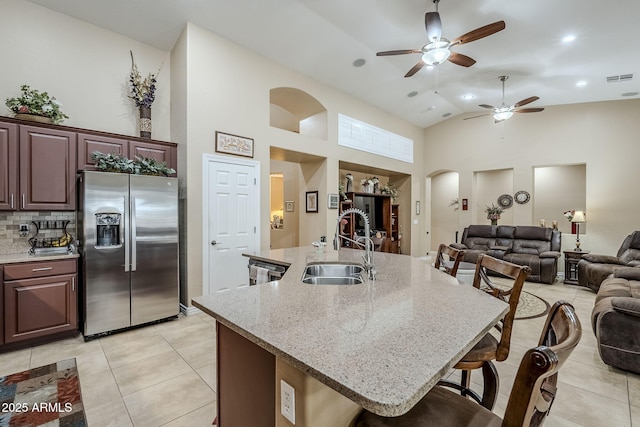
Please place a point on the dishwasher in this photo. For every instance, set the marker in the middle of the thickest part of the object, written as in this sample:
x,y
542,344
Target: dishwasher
x,y
261,271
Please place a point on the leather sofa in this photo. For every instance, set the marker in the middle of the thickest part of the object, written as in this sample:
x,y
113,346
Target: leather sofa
x,y
536,247
593,268
616,319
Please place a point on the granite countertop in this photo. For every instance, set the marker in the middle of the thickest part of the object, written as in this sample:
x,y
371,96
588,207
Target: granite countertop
x,y
384,344
14,258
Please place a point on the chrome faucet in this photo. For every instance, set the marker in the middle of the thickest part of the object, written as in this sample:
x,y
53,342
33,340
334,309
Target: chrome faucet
x,y
368,243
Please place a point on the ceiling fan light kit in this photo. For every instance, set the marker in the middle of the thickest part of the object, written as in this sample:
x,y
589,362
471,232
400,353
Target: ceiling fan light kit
x,y
436,53
438,49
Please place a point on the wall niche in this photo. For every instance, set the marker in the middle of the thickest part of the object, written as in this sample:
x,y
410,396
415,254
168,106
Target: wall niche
x,y
296,111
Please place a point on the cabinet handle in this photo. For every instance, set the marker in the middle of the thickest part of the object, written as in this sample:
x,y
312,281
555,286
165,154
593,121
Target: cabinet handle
x,y
22,200
42,269
73,284
11,196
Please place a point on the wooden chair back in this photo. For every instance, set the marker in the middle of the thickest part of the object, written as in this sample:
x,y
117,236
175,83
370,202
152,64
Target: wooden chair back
x,y
511,295
535,384
449,266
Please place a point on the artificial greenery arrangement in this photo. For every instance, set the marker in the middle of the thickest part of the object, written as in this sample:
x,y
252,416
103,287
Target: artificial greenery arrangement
x,y
391,191
110,162
37,103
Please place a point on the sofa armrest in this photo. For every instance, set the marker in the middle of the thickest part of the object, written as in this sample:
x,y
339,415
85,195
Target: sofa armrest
x,y
459,246
602,259
629,273
626,305
634,263
549,254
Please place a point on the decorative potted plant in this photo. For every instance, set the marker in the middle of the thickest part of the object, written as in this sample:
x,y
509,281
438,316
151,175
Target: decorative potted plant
x,y
390,190
36,106
493,213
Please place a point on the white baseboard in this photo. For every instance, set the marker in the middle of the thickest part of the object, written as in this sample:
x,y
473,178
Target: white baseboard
x,y
189,311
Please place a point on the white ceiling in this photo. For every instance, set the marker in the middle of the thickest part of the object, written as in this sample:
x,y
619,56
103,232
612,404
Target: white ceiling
x,y
322,39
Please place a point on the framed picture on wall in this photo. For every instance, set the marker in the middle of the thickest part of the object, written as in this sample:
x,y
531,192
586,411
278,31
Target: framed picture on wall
x,y
312,201
288,206
234,144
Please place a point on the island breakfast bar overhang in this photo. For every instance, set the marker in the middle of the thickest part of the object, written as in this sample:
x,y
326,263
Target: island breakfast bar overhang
x,y
382,344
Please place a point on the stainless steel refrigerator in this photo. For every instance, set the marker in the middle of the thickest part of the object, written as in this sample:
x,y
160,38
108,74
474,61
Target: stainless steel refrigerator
x,y
128,229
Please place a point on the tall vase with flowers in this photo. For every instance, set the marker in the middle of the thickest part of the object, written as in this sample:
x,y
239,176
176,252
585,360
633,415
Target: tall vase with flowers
x,y
493,213
143,93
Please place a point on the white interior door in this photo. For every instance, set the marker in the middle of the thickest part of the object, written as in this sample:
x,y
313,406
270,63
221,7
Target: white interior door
x,y
231,205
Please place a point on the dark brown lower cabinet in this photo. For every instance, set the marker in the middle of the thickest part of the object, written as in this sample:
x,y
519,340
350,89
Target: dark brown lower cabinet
x,y
41,305
246,381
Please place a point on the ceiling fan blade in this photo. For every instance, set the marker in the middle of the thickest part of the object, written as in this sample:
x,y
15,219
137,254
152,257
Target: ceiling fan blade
x,y
415,69
525,101
529,110
460,59
475,117
491,107
479,33
398,52
433,25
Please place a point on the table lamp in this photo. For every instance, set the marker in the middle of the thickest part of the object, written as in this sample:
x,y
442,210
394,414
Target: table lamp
x,y
578,217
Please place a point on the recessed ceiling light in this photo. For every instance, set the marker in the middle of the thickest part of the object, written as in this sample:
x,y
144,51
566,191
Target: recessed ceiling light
x,y
359,62
568,38
581,83
630,94
468,96
433,107
412,94
446,114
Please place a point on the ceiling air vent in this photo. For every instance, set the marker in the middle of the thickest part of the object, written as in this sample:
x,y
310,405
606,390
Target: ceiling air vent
x,y
620,78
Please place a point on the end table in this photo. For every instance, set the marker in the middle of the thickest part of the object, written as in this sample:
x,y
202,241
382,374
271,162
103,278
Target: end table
x,y
571,259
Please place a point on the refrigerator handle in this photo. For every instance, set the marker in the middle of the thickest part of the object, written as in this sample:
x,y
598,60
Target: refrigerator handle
x,y
133,233
124,230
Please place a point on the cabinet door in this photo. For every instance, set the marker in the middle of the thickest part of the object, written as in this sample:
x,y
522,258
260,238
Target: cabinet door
x,y
47,169
8,166
88,143
158,152
39,307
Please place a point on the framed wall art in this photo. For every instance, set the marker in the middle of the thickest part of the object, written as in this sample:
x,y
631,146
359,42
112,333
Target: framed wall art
x,y
312,201
288,206
234,144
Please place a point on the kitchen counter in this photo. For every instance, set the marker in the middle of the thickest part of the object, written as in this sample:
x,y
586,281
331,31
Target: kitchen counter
x,y
14,258
383,344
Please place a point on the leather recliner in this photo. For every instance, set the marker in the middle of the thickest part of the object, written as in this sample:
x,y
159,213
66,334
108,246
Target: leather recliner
x,y
594,268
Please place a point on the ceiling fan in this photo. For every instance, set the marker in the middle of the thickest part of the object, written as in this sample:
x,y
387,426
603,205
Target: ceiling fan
x,y
504,112
438,49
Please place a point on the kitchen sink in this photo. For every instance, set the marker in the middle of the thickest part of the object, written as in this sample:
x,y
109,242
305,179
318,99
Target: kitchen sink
x,y
333,274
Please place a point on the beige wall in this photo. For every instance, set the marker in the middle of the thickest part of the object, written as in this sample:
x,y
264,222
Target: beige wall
x,y
602,135
558,189
225,93
489,185
444,218
84,66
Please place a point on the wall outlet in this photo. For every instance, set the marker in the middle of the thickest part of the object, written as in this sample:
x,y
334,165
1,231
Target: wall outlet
x,y
288,402
24,230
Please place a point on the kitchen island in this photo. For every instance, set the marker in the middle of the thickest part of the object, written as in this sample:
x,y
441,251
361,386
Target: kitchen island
x,y
382,344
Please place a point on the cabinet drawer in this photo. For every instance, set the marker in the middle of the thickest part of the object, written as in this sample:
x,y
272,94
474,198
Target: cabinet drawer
x,y
39,269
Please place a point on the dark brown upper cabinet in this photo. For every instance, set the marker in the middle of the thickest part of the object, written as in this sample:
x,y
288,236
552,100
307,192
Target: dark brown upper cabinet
x,y
89,143
8,166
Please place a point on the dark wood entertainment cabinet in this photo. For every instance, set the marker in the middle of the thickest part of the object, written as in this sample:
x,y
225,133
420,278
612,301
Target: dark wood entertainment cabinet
x,y
387,222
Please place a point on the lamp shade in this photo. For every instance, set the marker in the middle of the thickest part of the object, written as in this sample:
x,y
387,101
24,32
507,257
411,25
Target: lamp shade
x,y
579,217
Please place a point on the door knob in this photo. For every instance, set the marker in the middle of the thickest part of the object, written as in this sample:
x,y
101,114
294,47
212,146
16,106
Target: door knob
x,y
213,243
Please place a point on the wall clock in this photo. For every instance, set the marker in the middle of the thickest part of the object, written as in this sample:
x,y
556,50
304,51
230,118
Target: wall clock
x,y
505,201
522,197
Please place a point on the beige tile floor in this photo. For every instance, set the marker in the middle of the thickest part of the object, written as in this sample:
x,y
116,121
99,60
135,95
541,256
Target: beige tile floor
x,y
164,375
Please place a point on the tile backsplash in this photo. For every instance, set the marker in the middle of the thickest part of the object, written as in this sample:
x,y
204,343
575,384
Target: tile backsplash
x,y
12,243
